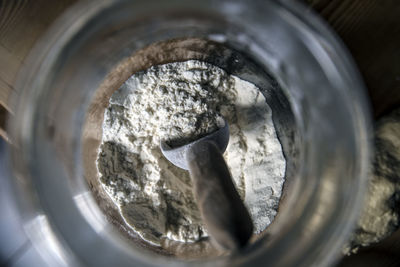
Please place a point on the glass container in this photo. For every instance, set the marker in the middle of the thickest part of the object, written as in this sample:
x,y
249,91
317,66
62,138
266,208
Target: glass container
x,y
306,75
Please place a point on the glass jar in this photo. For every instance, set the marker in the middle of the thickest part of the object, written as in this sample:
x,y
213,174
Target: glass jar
x,y
317,98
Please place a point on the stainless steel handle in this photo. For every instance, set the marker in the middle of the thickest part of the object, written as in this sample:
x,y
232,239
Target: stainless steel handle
x,y
224,214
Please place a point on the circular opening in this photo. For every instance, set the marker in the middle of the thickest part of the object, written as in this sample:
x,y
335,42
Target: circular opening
x,y
178,50
316,98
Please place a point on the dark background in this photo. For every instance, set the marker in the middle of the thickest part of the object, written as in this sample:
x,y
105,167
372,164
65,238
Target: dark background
x,y
371,31
369,28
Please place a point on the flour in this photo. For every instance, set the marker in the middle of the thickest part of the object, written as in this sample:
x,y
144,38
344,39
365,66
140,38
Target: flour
x,y
381,214
180,102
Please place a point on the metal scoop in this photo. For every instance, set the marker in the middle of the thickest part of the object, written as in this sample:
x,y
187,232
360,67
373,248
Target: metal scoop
x,y
223,212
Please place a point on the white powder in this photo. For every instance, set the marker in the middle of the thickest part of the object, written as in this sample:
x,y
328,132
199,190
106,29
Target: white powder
x,y
182,101
381,214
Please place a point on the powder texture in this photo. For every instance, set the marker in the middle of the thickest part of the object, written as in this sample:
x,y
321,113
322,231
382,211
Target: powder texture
x,y
381,213
180,102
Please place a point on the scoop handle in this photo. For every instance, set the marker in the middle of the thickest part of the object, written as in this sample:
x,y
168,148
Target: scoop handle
x,y
226,218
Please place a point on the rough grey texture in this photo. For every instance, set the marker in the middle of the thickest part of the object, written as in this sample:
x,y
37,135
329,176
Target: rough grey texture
x,y
381,213
181,101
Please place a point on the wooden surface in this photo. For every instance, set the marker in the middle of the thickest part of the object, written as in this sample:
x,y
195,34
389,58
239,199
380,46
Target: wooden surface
x,y
22,22
371,31
369,28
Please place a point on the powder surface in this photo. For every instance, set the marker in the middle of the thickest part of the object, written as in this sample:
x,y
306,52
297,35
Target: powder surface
x,y
180,102
381,214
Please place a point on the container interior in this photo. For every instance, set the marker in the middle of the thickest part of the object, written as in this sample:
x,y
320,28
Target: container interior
x,y
316,97
177,50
